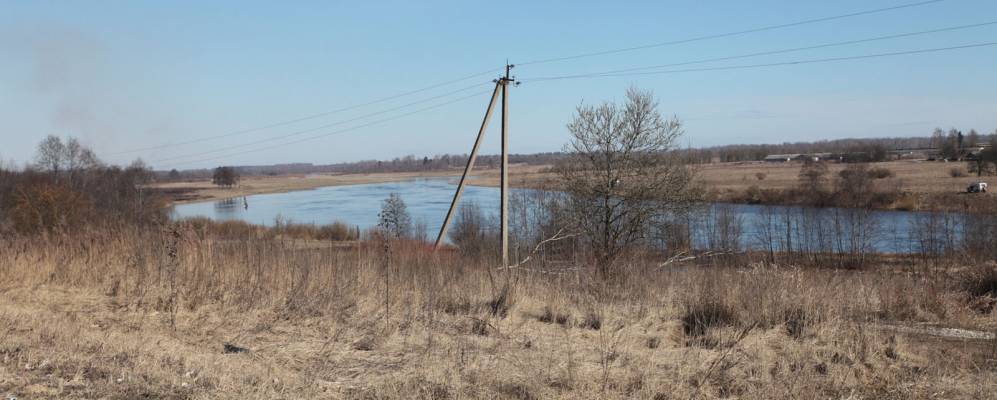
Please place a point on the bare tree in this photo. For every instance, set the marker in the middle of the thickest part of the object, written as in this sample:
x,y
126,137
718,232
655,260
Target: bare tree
x,y
951,146
57,156
50,153
394,218
78,157
985,161
620,173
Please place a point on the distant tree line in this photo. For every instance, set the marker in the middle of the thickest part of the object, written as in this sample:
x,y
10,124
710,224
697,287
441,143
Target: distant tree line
x,y
68,187
952,144
409,163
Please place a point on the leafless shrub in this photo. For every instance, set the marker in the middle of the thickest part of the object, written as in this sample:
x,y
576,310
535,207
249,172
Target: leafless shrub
x,y
723,228
880,173
935,235
957,172
980,283
855,185
336,231
799,320
44,207
552,316
592,320
701,316
979,236
472,231
813,178
673,234
768,232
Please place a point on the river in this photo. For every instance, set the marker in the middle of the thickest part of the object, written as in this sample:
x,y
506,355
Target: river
x,y
428,199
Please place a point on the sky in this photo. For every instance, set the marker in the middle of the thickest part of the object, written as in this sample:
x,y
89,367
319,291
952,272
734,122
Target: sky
x,y
193,84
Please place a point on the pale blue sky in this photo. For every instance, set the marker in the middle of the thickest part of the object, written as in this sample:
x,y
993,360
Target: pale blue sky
x,y
123,75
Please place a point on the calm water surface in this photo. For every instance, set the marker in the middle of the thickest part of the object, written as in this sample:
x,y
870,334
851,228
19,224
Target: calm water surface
x,y
428,200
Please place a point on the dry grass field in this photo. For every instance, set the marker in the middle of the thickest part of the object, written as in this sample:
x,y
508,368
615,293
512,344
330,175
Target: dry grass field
x,y
912,185
179,313
204,190
913,176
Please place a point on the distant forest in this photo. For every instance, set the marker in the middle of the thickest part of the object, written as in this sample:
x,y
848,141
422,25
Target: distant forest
x,y
940,140
874,148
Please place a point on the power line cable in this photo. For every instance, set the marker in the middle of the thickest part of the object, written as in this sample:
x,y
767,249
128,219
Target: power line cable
x,y
309,117
729,34
303,131
796,49
597,75
584,55
751,66
380,121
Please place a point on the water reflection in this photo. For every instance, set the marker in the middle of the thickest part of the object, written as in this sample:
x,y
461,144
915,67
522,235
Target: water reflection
x,y
227,209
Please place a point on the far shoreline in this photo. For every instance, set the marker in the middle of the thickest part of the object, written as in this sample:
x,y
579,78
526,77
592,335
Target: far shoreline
x,y
201,191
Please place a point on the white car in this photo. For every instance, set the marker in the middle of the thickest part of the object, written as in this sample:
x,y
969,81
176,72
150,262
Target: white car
x,y
978,187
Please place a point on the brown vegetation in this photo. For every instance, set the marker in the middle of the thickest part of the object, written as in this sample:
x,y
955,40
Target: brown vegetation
x,y
205,190
177,313
104,298
125,307
69,195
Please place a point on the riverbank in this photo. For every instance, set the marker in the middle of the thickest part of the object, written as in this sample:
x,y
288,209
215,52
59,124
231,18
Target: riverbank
x,y
203,190
185,192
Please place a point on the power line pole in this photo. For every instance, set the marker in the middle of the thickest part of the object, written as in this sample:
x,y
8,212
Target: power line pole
x,y
468,167
500,84
505,81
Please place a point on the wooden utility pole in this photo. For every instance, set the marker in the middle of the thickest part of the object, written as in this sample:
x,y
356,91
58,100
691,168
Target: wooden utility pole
x,y
468,167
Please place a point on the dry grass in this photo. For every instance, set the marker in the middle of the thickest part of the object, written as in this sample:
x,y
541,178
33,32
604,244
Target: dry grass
x,y
136,313
915,185
204,190
909,176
